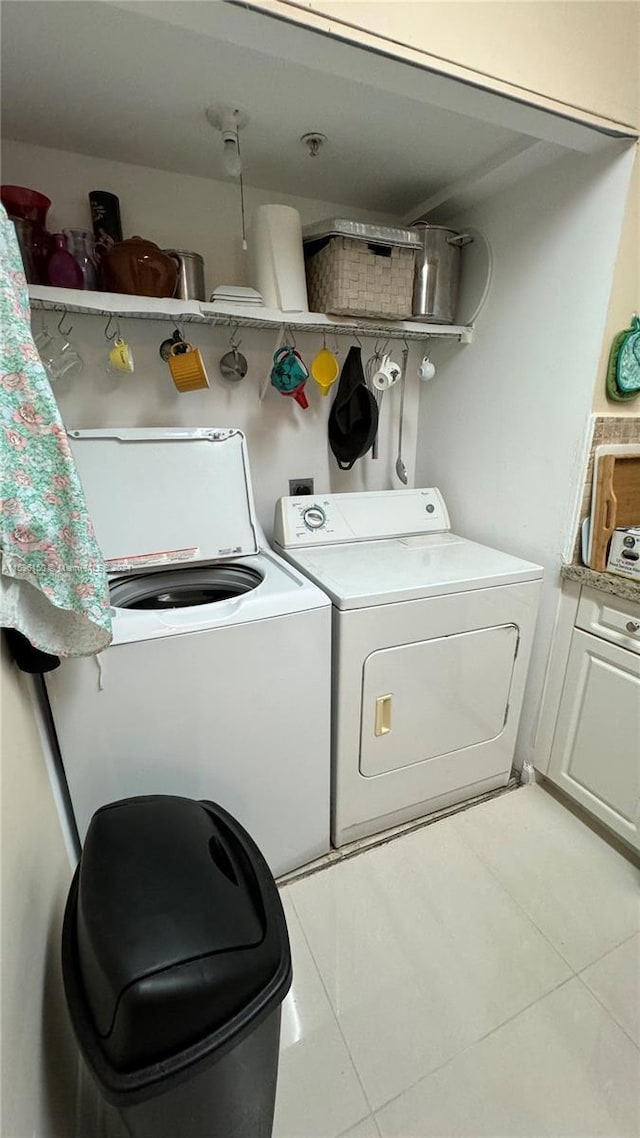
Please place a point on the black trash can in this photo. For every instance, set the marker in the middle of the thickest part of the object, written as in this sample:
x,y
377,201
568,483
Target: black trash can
x,y
175,960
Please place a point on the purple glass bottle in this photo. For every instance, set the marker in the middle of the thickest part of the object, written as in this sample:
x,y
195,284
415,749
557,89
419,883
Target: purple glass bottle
x,y
63,269
81,245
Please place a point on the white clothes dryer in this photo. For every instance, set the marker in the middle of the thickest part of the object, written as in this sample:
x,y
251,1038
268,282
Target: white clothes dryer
x,y
432,635
217,683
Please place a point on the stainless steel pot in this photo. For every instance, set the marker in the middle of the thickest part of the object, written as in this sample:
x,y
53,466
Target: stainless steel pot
x,y
437,274
190,284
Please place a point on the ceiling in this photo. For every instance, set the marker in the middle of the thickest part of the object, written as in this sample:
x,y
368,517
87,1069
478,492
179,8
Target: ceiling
x,y
132,81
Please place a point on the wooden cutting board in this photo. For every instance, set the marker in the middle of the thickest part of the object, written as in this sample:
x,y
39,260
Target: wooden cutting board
x,y
616,497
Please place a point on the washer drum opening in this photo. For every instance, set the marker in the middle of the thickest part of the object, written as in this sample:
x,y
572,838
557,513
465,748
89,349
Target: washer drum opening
x,y
183,588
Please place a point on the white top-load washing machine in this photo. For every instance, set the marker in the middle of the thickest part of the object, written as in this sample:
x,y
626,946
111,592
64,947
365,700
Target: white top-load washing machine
x,y
217,683
431,641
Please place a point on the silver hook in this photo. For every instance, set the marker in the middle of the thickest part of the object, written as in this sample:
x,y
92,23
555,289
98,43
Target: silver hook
x,y
357,340
113,335
60,329
234,339
405,344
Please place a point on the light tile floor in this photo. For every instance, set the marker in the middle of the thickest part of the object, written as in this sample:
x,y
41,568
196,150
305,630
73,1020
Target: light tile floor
x,y
477,977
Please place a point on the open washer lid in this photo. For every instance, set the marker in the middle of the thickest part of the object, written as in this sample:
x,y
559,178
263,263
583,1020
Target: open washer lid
x,y
167,496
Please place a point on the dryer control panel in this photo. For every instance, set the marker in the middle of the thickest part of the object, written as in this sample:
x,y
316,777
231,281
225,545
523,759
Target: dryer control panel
x,y
327,519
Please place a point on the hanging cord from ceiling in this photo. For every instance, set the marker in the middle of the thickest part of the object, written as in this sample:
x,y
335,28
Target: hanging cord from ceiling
x,y
242,205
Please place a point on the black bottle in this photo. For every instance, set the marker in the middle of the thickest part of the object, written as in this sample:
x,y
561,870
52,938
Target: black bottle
x,y
105,215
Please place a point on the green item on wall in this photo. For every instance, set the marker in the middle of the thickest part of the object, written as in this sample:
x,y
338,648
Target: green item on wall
x,y
623,369
628,366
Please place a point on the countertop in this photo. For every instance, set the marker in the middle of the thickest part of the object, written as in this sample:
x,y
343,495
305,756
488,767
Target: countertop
x,y
607,582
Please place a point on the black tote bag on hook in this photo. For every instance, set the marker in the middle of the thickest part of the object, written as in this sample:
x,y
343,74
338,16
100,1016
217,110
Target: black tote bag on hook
x,y
353,421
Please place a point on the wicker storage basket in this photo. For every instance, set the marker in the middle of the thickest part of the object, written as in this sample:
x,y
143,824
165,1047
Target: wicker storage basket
x,y
369,274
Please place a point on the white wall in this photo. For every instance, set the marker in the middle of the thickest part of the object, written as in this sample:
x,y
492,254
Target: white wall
x,y
503,427
39,1058
284,441
624,299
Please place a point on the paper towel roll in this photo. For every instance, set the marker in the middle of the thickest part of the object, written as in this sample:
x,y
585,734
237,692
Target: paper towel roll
x,y
277,258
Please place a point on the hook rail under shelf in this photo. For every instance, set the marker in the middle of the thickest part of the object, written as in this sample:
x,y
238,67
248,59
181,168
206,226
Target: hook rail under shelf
x,y
49,299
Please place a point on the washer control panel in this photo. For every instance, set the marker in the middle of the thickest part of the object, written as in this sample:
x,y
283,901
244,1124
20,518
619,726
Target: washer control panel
x,y
376,514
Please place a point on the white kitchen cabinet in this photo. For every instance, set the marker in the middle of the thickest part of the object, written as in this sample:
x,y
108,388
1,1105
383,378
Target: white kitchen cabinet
x,y
595,757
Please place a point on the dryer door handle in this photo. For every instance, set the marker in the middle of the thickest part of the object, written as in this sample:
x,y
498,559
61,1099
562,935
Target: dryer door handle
x,y
383,715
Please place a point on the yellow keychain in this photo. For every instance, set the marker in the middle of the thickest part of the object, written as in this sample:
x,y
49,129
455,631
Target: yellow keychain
x,y
187,367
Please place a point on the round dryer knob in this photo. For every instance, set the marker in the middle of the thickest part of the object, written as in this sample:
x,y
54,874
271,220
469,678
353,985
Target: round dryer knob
x,y
314,517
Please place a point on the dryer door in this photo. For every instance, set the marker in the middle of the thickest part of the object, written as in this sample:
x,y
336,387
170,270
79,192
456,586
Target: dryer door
x,y
434,697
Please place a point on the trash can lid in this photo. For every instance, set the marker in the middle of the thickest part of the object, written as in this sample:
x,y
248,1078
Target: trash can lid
x,y
171,926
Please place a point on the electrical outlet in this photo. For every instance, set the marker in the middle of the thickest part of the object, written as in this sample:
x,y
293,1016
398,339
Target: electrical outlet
x,y
300,486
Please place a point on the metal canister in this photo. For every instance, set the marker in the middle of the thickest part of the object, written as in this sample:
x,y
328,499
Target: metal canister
x,y
437,274
190,284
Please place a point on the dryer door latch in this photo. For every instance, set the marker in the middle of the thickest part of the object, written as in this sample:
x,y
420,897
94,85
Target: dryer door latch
x,y
383,715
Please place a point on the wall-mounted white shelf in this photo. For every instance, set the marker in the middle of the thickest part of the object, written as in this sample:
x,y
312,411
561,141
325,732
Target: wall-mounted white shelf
x,y
49,299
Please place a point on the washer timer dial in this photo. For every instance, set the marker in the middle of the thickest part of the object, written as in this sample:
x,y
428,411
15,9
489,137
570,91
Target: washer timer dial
x,y
314,517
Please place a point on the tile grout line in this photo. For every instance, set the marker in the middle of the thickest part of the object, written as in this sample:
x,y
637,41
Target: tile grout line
x,y
338,855
518,903
607,1012
475,1043
531,919
335,1016
608,952
574,973
486,1035
580,976
370,1116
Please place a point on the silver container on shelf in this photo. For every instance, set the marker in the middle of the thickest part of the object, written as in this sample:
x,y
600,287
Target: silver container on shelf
x,y
190,283
437,275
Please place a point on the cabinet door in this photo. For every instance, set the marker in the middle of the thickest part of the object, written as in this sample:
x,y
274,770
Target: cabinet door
x,y
596,749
